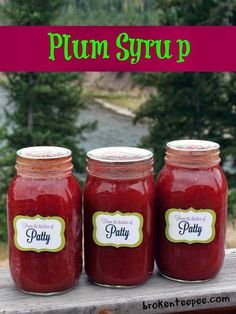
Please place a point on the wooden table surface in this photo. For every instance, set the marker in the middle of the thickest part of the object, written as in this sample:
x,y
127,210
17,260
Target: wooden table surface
x,y
158,295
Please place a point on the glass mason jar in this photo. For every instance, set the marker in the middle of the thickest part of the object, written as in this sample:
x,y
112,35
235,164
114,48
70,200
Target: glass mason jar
x,y
44,221
119,205
192,211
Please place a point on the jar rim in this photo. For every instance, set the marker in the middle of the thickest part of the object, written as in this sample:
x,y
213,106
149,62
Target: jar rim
x,y
43,152
193,145
119,155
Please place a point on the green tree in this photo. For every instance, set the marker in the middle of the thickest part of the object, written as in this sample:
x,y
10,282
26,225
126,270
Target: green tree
x,y
108,12
192,105
43,108
32,12
196,12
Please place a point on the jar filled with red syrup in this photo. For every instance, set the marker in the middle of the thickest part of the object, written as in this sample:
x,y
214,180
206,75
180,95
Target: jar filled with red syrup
x,y
119,205
192,211
44,221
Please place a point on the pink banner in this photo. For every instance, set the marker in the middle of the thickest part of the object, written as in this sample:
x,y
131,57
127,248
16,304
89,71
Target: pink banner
x,y
118,48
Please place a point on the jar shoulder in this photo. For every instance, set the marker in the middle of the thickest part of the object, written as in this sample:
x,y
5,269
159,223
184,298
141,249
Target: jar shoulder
x,y
23,187
99,185
177,178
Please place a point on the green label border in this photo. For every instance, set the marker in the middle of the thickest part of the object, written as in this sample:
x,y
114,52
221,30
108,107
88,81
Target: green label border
x,y
212,212
140,217
62,233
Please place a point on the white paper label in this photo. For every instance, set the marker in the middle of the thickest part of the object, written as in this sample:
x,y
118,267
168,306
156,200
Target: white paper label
x,y
117,229
190,226
39,233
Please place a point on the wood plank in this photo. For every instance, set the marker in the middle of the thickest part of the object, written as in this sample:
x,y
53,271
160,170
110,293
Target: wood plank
x,y
223,310
163,296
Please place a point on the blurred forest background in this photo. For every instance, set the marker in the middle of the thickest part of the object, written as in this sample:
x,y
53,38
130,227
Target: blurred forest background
x,y
87,110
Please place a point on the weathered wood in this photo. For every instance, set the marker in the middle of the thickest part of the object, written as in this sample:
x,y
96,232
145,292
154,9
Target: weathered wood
x,y
222,310
88,298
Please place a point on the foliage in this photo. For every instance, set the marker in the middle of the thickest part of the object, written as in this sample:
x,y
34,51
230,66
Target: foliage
x,y
3,19
192,105
232,204
197,12
85,12
6,173
189,105
43,108
108,12
32,12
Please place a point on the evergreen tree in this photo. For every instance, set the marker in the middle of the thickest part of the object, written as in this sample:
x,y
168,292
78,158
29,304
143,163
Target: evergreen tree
x,y
43,108
108,12
32,12
192,105
196,12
